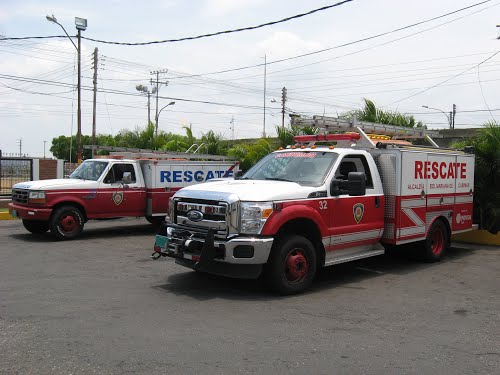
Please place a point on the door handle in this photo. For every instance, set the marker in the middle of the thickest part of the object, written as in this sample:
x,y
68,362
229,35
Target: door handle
x,y
377,202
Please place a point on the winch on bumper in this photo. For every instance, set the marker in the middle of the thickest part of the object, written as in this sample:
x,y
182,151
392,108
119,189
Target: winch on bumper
x,y
238,257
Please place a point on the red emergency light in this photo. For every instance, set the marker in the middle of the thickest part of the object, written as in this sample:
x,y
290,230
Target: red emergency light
x,y
327,137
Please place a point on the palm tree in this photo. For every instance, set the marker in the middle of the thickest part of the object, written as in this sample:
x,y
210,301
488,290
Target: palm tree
x,y
371,113
213,143
285,135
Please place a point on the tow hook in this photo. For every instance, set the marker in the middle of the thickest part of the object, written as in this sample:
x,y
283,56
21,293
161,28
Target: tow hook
x,y
155,255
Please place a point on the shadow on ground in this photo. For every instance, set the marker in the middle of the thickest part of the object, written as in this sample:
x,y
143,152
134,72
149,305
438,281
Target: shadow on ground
x,y
205,287
94,233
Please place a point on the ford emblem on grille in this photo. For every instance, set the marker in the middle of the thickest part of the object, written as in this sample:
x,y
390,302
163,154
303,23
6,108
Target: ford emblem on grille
x,y
195,215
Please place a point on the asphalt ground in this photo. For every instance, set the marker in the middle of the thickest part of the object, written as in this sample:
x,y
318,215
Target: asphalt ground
x,y
100,305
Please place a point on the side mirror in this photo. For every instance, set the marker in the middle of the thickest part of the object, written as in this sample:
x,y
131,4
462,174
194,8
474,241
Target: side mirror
x,y
127,178
357,183
354,186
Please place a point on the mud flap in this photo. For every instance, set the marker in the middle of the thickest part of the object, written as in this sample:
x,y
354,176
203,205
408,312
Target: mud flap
x,y
207,252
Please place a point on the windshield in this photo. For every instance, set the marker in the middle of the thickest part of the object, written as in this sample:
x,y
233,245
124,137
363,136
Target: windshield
x,y
304,167
89,170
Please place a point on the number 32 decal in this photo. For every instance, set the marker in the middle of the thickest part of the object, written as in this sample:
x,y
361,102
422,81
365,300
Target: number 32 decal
x,y
323,205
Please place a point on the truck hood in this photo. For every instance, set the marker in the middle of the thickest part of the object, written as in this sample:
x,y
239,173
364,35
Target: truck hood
x,y
248,190
66,183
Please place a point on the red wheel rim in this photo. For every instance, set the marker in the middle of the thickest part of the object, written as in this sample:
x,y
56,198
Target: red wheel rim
x,y
437,241
296,266
68,223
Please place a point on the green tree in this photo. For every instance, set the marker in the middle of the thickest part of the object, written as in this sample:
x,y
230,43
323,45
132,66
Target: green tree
x,y
371,113
62,145
487,175
285,135
249,154
213,143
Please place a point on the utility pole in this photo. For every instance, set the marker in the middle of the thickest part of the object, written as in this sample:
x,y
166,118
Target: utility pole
x,y
232,128
20,143
453,117
283,101
265,75
95,101
44,142
158,85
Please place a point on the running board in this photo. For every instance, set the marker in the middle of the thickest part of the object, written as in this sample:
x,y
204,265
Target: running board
x,y
351,257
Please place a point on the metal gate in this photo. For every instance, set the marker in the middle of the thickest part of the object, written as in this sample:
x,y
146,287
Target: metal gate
x,y
12,171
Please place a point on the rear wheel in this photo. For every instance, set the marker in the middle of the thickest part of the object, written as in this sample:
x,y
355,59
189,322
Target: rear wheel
x,y
437,242
66,222
36,226
292,265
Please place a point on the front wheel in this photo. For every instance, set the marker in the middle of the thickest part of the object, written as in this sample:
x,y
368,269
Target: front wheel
x,y
437,242
36,226
292,265
66,222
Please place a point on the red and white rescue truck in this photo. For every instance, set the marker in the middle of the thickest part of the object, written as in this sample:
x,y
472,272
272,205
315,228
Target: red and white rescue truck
x,y
124,184
310,206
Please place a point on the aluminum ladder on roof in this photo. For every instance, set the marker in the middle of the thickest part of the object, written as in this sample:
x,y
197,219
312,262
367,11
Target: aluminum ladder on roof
x,y
136,153
337,124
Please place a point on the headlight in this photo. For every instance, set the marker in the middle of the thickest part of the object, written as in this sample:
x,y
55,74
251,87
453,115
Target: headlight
x,y
254,215
37,196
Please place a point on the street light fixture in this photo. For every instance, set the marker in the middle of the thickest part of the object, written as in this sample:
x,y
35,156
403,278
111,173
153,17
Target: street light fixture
x,y
443,112
145,89
158,116
81,25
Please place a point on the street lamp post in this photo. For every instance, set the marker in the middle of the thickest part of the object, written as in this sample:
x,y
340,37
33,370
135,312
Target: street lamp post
x,y
158,116
443,112
81,25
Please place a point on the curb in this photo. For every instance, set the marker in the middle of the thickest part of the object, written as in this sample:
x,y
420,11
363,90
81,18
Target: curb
x,y
480,237
5,215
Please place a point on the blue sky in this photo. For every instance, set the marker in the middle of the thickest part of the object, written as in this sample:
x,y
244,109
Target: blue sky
x,y
385,70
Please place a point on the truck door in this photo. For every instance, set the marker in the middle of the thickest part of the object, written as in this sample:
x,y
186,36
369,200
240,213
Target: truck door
x,y
358,221
118,199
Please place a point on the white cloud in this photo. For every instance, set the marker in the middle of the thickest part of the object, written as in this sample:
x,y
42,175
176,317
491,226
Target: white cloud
x,y
285,44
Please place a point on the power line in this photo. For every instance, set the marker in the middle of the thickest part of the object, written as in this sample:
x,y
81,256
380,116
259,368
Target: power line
x,y
203,35
341,45
446,80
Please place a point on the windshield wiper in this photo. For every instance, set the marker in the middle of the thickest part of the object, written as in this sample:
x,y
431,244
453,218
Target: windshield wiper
x,y
277,179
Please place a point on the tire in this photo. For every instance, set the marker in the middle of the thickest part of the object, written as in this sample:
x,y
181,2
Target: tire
x,y
292,265
36,226
437,242
66,222
155,220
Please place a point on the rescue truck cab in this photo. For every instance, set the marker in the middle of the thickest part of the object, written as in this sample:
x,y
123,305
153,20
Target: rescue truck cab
x,y
310,206
125,184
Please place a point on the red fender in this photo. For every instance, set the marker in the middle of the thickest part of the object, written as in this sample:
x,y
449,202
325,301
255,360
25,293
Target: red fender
x,y
295,211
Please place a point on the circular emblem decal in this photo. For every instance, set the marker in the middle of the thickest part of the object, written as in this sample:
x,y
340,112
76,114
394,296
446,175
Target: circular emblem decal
x,y
195,215
459,218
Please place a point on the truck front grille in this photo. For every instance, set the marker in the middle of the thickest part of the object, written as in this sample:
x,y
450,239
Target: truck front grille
x,y
20,196
215,216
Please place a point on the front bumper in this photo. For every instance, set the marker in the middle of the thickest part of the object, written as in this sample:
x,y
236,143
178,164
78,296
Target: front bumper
x,y
29,213
241,257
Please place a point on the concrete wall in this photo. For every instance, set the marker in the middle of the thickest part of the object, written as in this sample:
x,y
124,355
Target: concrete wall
x,y
453,135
